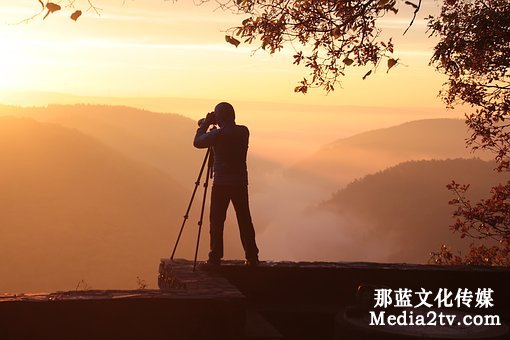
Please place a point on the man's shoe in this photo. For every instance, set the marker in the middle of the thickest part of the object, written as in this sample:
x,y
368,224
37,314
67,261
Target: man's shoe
x,y
252,263
210,264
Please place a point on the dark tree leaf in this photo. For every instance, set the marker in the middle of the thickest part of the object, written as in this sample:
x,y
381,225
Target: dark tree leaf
x,y
347,61
232,40
301,89
367,74
391,62
76,15
52,7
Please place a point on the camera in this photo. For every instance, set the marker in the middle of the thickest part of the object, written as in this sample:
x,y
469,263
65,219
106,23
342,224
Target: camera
x,y
212,119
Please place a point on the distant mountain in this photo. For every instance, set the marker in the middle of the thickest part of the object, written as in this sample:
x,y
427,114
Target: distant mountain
x,y
402,213
348,158
73,208
162,140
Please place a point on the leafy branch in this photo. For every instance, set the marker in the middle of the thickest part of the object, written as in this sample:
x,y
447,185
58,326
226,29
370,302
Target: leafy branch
x,y
49,7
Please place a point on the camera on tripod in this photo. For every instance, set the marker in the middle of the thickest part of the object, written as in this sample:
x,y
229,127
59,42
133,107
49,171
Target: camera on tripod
x,y
210,116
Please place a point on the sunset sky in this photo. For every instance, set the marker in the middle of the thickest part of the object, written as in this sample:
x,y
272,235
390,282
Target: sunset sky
x,y
162,48
157,48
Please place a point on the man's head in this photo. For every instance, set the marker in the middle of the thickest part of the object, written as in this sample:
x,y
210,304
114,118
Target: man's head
x,y
224,113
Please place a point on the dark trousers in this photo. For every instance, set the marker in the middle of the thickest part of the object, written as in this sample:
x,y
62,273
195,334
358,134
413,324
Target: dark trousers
x,y
220,198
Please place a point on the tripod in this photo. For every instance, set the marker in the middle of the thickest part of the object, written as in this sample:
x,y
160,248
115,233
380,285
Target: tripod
x,y
209,159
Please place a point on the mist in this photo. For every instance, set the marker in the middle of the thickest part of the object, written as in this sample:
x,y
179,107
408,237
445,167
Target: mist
x,y
293,228
97,193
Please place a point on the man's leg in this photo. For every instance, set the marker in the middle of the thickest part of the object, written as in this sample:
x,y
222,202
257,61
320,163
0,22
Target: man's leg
x,y
219,203
241,205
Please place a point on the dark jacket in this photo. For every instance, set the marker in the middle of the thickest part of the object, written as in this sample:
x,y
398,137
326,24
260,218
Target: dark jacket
x,y
230,146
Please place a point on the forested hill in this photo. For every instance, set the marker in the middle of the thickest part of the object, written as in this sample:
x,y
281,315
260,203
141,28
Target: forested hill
x,y
405,210
73,209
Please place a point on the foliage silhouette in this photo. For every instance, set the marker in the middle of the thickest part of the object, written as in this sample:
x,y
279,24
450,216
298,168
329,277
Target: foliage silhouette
x,y
474,52
401,211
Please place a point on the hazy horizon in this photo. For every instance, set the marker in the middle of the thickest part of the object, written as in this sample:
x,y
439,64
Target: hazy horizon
x,y
282,131
55,152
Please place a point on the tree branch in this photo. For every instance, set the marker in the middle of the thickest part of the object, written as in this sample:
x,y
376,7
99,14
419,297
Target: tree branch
x,y
416,9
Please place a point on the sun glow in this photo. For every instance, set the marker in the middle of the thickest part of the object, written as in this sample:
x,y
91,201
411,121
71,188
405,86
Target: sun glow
x,y
12,58
157,49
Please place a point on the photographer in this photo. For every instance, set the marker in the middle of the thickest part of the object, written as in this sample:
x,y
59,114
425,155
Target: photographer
x,y
230,146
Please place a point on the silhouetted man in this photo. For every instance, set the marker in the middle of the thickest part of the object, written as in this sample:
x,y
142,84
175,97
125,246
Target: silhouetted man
x,y
230,146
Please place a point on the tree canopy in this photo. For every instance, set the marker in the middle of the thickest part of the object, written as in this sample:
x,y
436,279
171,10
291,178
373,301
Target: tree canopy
x,y
328,36
474,52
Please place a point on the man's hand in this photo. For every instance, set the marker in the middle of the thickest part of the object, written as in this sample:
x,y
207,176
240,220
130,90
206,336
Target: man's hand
x,y
210,119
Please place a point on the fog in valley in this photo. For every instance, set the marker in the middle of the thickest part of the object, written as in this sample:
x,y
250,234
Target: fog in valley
x,y
98,192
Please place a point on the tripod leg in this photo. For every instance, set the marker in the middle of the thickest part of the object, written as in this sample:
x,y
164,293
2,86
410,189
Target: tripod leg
x,y
200,222
197,183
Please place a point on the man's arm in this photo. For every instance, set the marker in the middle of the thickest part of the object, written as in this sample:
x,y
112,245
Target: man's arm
x,y
204,139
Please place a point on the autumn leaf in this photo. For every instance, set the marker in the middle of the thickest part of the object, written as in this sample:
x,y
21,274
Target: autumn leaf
x,y
298,58
367,74
391,62
76,15
301,89
52,7
347,61
232,40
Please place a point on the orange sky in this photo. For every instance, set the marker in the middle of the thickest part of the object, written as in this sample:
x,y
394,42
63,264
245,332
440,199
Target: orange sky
x,y
157,48
161,48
